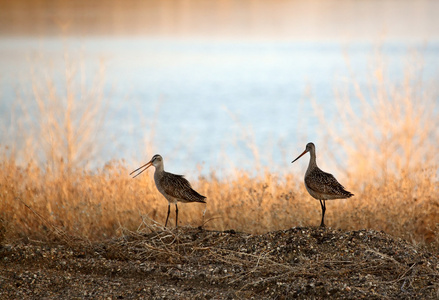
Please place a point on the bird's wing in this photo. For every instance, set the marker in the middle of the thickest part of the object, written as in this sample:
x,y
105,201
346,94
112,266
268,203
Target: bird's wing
x,y
178,187
324,183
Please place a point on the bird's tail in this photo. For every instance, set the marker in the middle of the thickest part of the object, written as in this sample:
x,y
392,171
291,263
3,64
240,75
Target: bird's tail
x,y
196,197
201,199
348,194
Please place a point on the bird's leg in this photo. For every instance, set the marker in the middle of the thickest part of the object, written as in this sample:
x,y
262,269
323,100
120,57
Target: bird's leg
x,y
323,205
204,214
167,217
176,215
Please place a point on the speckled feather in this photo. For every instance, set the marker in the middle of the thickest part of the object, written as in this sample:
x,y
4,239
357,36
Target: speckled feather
x,y
178,187
325,183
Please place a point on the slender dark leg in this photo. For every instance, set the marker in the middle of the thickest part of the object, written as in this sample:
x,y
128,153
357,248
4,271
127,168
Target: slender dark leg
x,y
176,215
323,205
167,217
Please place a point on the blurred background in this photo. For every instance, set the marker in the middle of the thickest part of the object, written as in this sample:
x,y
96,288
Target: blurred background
x,y
210,85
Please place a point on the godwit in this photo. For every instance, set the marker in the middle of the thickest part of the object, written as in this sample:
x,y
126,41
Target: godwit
x,y
174,187
321,185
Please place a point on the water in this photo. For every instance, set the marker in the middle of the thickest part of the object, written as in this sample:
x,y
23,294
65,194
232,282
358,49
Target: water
x,y
206,102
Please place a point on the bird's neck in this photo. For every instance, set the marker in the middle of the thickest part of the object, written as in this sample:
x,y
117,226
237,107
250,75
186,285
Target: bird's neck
x,y
159,169
312,161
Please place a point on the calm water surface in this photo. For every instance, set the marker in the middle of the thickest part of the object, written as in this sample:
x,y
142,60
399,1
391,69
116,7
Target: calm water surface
x,y
206,101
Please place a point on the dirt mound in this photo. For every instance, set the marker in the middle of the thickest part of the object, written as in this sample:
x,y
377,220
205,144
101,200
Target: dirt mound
x,y
191,263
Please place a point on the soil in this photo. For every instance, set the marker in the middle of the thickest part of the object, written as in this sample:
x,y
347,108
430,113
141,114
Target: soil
x,y
192,263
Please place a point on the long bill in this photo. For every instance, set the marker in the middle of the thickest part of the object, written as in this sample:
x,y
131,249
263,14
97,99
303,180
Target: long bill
x,y
149,164
300,156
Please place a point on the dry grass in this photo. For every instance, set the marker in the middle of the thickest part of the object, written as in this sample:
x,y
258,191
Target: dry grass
x,y
98,205
395,127
388,136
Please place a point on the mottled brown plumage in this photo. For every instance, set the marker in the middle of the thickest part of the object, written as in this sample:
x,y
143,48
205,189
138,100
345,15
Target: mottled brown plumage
x,y
175,188
321,185
178,187
325,185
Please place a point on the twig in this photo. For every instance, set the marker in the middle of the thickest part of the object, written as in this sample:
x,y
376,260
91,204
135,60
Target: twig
x,y
55,229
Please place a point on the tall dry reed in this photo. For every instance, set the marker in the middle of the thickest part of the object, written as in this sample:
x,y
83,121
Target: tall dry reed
x,y
387,134
60,122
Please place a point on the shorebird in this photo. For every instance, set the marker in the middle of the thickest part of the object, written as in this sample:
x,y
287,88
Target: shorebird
x,y
173,187
321,185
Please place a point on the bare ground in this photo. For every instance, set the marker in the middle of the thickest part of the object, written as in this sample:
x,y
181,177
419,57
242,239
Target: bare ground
x,y
192,263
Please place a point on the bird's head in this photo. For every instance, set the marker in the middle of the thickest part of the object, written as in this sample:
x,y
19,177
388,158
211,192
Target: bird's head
x,y
155,161
309,147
